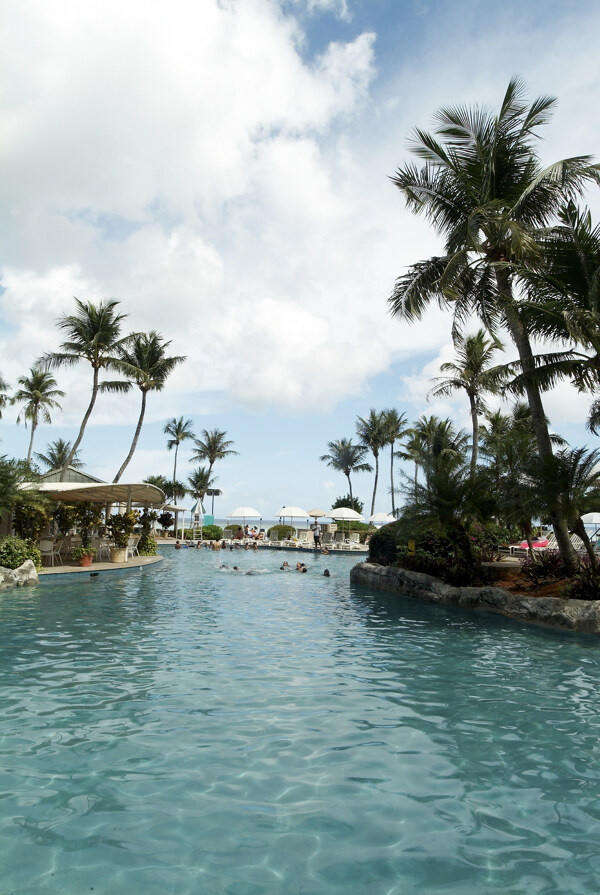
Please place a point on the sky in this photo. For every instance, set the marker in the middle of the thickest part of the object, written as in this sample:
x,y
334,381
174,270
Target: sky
x,y
222,169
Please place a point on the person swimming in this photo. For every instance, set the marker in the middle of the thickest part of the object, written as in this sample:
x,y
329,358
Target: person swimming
x,y
326,573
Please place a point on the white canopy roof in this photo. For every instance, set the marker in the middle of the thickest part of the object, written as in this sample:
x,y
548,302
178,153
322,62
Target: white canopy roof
x,y
100,492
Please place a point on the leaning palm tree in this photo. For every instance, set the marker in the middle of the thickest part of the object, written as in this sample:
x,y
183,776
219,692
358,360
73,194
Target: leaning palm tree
x,y
145,362
471,373
346,457
56,455
179,430
213,446
374,436
94,335
38,391
395,428
200,481
4,389
484,190
571,479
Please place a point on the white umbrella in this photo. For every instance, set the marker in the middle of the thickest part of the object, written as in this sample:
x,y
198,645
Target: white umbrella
x,y
292,512
382,518
316,514
345,514
591,518
244,513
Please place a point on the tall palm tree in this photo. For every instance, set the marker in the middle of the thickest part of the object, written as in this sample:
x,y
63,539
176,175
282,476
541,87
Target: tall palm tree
x,y
346,457
213,446
93,335
38,391
4,389
57,453
395,428
374,436
200,481
412,450
484,190
471,373
144,360
179,430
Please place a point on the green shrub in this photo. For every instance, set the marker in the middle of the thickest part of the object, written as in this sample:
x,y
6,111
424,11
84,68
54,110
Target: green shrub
x,y
14,552
487,538
383,544
29,521
280,532
212,533
585,584
120,526
146,545
543,566
65,517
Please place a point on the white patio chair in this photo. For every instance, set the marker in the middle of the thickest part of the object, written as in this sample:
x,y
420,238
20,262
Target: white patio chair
x,y
48,549
132,549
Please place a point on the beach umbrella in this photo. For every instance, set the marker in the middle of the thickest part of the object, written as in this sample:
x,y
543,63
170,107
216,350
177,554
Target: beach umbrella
x,y
317,514
382,518
346,514
244,513
291,513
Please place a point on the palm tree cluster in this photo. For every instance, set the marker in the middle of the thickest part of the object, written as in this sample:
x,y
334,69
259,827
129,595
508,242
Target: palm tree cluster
x,y
518,254
93,335
213,445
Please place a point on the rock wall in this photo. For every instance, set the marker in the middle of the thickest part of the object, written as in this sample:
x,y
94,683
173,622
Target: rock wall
x,y
571,615
25,576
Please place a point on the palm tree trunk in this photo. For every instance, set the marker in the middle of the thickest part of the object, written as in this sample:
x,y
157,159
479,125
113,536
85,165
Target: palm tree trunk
x,y
475,425
88,412
375,484
33,428
392,480
135,440
538,418
579,529
350,489
175,478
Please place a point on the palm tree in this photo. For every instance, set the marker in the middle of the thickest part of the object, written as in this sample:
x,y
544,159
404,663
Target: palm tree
x,y
144,360
94,336
38,392
374,436
395,428
4,389
346,457
571,479
57,453
412,451
485,192
200,481
179,430
159,481
565,303
470,372
213,446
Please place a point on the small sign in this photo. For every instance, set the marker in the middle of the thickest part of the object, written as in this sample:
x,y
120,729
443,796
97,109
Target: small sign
x,y
411,548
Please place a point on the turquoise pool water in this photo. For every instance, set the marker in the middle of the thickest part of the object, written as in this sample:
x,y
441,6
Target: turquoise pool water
x,y
198,730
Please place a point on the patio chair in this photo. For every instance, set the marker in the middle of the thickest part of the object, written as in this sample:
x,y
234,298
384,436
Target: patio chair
x,y
48,549
132,549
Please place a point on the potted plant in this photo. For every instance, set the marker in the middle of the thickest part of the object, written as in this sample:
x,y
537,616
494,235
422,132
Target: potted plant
x,y
88,516
83,555
120,526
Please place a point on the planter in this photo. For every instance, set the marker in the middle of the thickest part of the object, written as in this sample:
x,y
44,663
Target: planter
x,y
118,554
86,559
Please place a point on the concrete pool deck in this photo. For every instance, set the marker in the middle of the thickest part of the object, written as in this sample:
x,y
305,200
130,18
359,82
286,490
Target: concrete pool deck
x,y
135,563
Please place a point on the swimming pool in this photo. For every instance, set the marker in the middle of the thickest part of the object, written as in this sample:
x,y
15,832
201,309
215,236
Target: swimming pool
x,y
190,729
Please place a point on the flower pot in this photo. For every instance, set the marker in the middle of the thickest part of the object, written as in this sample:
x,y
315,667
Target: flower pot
x,y
86,559
118,554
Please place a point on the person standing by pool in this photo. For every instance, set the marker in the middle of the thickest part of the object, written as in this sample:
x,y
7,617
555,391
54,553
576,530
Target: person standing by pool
x,y
317,535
